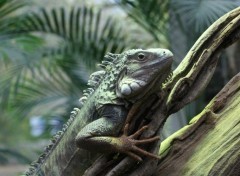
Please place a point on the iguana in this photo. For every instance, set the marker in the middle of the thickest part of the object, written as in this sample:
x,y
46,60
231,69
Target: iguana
x,y
96,127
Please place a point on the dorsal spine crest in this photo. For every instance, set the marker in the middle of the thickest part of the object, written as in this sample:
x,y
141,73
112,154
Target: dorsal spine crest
x,y
94,81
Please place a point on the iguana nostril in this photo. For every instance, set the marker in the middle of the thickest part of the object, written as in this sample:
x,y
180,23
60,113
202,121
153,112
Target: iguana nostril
x,y
167,53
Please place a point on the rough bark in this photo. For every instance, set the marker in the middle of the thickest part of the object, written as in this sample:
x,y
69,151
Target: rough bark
x,y
188,81
209,145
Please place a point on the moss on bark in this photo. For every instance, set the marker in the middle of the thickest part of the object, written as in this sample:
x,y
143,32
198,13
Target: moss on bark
x,y
210,144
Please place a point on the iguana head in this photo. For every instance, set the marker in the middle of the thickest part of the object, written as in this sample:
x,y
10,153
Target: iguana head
x,y
143,69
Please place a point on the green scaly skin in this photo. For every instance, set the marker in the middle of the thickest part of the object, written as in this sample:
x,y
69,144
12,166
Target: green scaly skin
x,y
126,78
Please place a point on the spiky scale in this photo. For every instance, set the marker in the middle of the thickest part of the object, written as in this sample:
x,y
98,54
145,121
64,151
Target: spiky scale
x,y
85,91
34,164
74,112
91,90
53,140
102,66
86,94
47,148
65,126
109,57
97,73
83,99
59,132
32,169
76,109
95,78
56,136
92,83
41,158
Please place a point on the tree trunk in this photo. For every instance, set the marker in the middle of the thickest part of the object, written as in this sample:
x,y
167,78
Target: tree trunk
x,y
210,144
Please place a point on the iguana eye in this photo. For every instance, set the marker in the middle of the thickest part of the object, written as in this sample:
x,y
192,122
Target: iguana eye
x,y
141,56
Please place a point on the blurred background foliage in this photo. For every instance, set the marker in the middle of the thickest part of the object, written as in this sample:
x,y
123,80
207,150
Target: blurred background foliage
x,y
48,49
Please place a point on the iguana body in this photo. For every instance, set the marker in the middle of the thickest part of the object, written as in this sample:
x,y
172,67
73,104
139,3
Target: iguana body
x,y
96,127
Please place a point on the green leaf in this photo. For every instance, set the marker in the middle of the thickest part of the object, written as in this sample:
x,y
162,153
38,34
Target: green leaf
x,y
199,14
151,15
52,77
7,7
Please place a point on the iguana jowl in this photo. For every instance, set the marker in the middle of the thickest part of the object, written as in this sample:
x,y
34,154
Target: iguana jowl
x,y
126,78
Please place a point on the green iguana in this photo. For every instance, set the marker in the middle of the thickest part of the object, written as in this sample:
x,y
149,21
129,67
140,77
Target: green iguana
x,y
126,79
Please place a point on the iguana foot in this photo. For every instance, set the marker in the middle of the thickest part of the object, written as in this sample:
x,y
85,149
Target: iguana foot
x,y
128,144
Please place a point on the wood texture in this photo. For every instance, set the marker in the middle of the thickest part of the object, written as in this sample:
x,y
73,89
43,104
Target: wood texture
x,y
210,144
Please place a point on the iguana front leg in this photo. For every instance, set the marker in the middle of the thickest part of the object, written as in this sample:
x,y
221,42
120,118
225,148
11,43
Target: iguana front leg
x,y
102,135
129,144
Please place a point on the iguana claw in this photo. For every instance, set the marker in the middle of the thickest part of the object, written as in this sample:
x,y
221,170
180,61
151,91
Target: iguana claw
x,y
129,144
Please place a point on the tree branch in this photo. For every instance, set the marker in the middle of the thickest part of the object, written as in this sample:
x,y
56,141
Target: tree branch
x,y
209,145
189,79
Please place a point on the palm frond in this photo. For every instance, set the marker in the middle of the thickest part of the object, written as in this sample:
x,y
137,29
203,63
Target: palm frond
x,y
10,15
15,47
151,15
47,87
84,31
7,7
57,73
82,37
198,15
48,90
